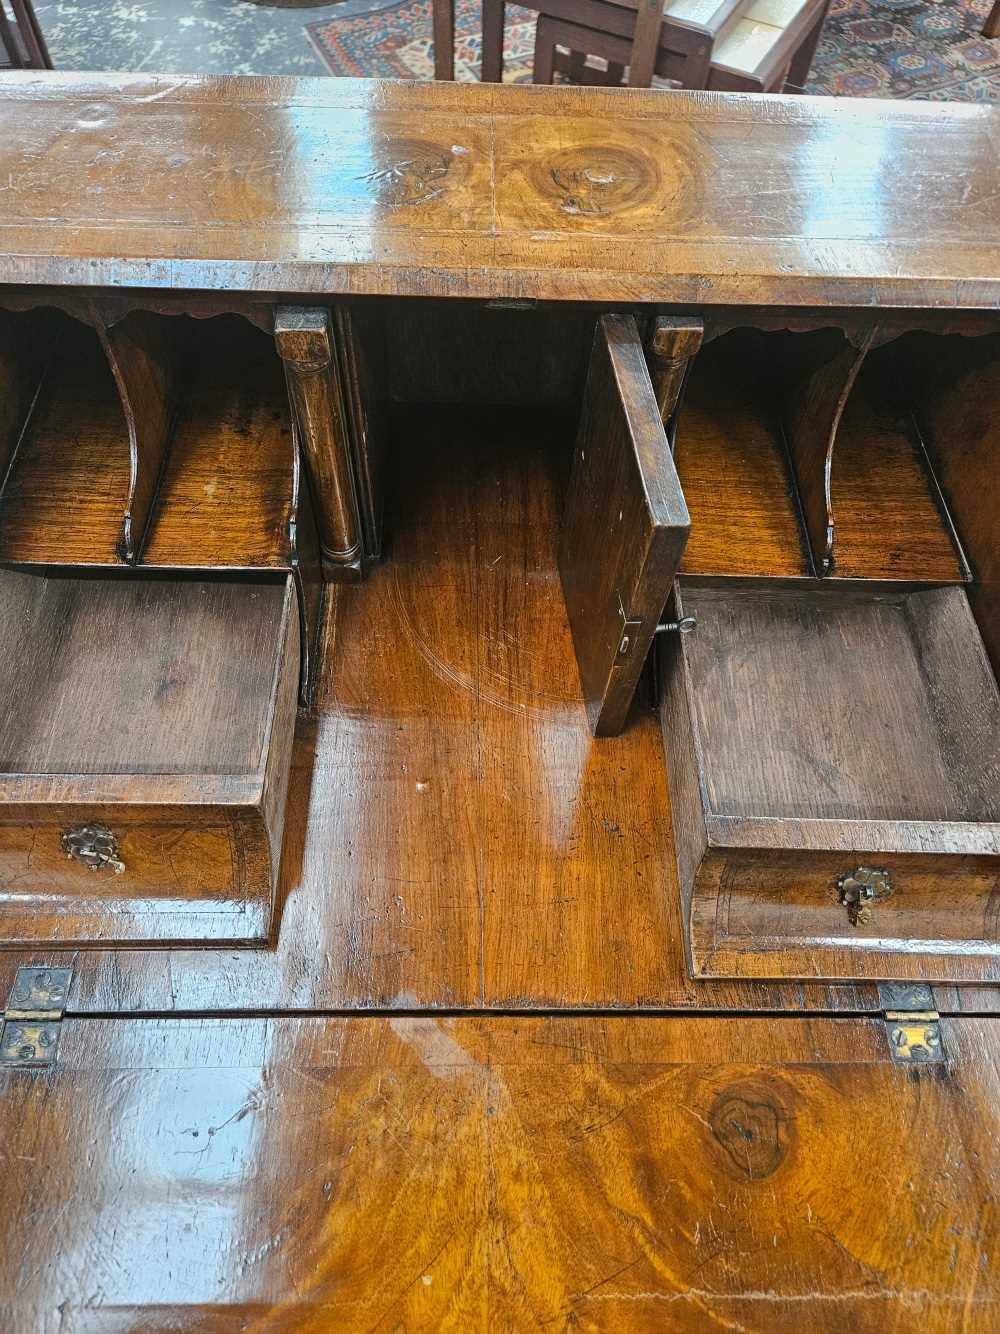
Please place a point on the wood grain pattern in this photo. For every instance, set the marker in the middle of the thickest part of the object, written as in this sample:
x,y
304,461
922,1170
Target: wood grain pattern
x,y
165,714
886,514
624,524
807,428
594,194
813,409
608,1174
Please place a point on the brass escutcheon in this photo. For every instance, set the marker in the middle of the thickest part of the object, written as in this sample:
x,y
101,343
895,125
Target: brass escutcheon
x,y
94,845
858,890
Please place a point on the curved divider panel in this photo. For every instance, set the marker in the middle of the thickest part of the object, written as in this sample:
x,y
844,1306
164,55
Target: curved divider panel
x,y
143,354
815,406
732,456
67,486
226,496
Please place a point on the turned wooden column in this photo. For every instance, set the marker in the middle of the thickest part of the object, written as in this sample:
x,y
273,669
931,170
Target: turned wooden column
x,y
673,341
305,341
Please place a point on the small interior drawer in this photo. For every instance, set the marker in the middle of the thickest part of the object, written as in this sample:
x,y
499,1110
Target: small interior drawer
x,y
145,741
834,762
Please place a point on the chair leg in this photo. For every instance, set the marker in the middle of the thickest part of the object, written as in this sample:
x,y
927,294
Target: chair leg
x,y
10,44
443,15
544,67
31,34
798,71
991,28
645,43
493,20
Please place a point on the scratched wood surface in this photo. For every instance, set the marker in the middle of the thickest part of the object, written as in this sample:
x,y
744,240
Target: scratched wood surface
x,y
603,194
455,836
625,1175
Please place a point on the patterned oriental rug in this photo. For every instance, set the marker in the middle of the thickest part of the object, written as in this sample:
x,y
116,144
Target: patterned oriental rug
x,y
870,48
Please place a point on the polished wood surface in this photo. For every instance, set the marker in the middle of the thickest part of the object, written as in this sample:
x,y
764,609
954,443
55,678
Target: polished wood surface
x,y
884,501
163,716
719,1153
594,194
605,1174
143,356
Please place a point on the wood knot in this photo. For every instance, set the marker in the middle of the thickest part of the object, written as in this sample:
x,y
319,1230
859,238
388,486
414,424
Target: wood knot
x,y
750,1127
600,179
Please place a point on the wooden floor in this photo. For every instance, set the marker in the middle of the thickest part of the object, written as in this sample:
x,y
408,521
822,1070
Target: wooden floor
x,y
471,1087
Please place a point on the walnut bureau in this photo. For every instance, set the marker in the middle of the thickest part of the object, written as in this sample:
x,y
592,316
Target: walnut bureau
x,y
283,362
357,439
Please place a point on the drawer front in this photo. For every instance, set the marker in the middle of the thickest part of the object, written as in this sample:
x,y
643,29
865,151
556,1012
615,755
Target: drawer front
x,y
104,860
183,883
836,914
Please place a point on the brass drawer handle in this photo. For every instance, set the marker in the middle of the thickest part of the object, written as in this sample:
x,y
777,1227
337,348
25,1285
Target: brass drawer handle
x,y
94,845
858,890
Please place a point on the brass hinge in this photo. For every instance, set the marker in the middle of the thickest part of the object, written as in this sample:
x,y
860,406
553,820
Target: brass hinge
x,y
33,1015
912,1024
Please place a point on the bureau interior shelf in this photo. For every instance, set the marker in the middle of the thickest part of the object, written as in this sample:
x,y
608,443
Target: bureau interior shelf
x,y
890,520
734,467
227,494
749,491
224,484
66,487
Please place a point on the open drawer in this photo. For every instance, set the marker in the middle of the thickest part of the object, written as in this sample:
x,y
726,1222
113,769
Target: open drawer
x,y
834,764
145,740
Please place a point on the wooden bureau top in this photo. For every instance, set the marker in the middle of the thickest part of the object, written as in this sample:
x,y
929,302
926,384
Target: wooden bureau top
x,y
362,186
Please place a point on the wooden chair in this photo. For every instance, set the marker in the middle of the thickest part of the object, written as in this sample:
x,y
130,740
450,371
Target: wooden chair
x,y
750,55
991,28
687,31
21,38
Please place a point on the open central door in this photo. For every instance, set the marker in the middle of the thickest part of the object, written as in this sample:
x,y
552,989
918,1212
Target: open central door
x,y
625,524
